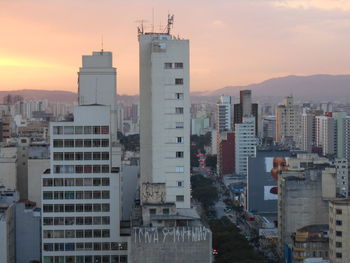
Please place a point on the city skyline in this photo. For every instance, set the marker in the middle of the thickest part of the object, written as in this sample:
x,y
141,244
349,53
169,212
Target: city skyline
x,y
257,40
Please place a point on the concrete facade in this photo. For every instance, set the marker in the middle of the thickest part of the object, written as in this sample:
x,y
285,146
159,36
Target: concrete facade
x,y
300,203
171,244
339,229
165,115
245,143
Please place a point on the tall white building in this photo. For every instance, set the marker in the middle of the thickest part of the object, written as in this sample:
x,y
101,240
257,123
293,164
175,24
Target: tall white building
x,y
224,114
81,191
165,115
326,134
245,144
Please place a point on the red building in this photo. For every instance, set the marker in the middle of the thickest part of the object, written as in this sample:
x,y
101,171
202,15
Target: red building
x,y
226,153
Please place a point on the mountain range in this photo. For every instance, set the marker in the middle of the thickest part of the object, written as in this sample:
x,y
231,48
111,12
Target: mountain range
x,y
306,88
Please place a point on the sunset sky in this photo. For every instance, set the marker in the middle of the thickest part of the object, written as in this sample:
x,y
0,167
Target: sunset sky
x,y
233,42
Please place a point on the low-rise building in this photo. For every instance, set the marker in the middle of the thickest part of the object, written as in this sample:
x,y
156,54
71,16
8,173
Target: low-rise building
x,y
310,242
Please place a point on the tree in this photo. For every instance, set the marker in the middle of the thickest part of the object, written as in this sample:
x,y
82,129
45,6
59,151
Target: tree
x,y
203,190
211,161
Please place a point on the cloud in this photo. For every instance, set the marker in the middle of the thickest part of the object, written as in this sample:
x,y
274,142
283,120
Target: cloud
x,y
218,23
343,5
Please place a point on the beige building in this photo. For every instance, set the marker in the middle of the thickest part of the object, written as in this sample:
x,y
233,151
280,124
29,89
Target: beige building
x,y
339,229
288,122
303,193
310,242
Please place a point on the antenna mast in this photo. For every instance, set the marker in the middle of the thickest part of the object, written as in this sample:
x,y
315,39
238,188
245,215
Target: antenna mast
x,y
170,23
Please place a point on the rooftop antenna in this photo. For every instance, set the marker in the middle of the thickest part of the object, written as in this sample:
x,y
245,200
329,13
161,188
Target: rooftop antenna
x,y
101,43
152,20
140,28
96,91
170,23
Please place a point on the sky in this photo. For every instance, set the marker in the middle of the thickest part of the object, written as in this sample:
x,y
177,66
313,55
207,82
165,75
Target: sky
x,y
232,42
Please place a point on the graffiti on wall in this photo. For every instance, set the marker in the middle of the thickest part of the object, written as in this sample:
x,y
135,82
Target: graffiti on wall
x,y
170,234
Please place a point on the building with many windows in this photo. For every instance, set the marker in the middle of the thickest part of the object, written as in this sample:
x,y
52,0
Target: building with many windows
x,y
339,227
165,115
245,143
81,190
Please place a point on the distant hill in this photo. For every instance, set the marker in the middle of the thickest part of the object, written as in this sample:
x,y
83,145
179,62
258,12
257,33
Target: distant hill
x,y
314,87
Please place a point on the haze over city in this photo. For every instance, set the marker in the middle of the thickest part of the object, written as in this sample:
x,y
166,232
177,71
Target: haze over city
x,y
232,42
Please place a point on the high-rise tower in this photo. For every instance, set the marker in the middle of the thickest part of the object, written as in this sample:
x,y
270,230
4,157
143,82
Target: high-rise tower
x,y
165,115
81,191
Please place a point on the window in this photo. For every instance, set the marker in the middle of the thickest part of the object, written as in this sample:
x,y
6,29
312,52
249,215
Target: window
x,y
97,130
168,65
105,220
96,181
105,181
180,198
47,195
87,169
68,130
47,182
87,143
48,221
338,233
69,156
59,221
69,143
58,156
87,156
97,156
179,65
87,130
179,125
105,156
338,222
179,110
104,129
105,233
96,168
105,143
105,194
57,143
338,255
339,211
79,169
179,96
69,182
69,208
96,143
79,130
179,154
79,156
96,220
152,211
179,81
338,244
180,184
79,143
59,208
58,195
105,207
57,130
179,169
179,139
105,168
166,211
